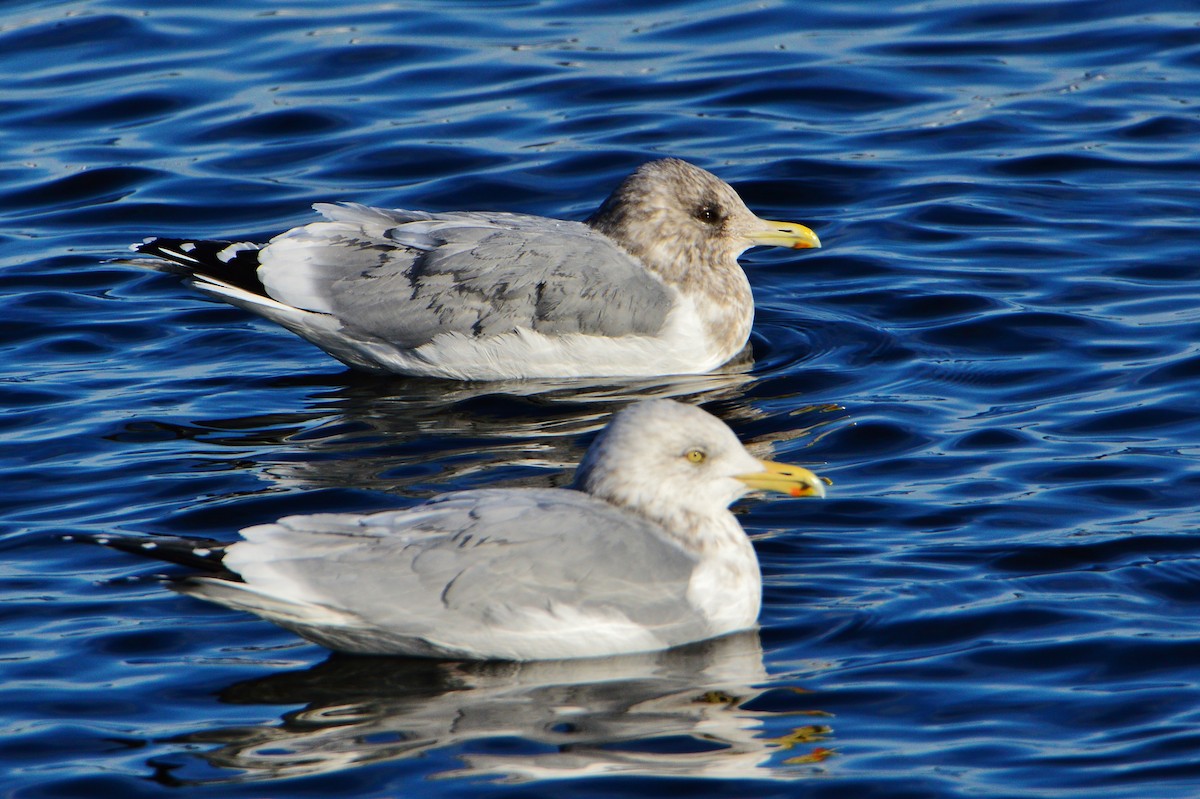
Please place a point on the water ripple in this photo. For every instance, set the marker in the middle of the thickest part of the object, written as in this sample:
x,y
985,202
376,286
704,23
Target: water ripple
x,y
994,358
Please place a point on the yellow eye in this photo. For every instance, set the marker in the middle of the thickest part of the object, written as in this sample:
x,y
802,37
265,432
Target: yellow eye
x,y
695,456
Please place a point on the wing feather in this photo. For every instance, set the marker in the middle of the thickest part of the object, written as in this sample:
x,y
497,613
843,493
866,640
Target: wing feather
x,y
406,276
467,565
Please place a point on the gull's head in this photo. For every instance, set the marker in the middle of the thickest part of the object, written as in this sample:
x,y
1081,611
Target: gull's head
x,y
674,215
678,465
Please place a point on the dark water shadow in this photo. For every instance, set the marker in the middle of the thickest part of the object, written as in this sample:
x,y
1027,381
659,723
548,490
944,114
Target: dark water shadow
x,y
421,436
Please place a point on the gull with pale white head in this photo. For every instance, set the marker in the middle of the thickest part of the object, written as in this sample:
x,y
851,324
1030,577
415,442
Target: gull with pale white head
x,y
641,554
649,285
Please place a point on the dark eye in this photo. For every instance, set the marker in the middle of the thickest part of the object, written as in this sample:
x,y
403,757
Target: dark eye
x,y
708,214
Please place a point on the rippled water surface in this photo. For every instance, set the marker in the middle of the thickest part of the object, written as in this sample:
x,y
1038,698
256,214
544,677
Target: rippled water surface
x,y
995,357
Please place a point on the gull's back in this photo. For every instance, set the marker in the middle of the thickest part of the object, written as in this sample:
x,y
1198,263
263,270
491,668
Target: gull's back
x,y
460,295
511,574
407,277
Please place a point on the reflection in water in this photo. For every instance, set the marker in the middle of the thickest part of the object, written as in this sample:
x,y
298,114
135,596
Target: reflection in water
x,y
372,427
676,713
362,433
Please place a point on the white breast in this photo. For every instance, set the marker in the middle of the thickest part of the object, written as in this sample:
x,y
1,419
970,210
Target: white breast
x,y
727,584
682,347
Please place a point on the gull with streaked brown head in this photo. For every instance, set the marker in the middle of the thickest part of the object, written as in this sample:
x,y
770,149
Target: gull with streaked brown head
x,y
649,285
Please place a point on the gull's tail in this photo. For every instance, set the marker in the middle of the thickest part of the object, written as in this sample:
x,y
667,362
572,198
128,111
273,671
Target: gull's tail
x,y
204,554
228,262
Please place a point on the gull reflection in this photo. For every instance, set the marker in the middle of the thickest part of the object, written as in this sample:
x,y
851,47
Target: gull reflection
x,y
474,426
418,437
677,713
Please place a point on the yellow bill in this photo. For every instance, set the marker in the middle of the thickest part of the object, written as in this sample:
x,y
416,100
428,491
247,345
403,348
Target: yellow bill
x,y
783,234
784,478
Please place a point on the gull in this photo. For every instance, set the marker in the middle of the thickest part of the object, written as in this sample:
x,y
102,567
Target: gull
x,y
641,554
649,285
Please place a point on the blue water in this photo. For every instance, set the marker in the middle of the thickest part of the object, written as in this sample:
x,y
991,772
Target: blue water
x,y
996,358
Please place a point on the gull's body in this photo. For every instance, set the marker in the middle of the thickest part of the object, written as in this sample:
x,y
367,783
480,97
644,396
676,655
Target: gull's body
x,y
649,285
642,555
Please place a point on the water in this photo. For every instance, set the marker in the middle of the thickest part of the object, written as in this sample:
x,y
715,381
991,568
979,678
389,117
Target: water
x,y
995,357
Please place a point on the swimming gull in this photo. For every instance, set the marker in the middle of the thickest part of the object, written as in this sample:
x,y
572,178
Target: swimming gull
x,y
649,285
641,554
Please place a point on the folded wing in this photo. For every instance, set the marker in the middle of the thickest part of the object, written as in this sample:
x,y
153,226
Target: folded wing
x,y
512,574
406,277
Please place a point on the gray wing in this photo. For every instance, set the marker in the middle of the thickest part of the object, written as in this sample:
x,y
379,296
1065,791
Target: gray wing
x,y
406,276
468,558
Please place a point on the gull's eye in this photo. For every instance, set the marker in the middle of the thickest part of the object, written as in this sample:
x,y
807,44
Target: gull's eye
x,y
695,456
708,214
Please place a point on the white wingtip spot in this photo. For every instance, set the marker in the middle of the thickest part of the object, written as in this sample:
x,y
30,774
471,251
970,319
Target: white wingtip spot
x,y
178,254
202,552
102,540
229,253
149,545
187,246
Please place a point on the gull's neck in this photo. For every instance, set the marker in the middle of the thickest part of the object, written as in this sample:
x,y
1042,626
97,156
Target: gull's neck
x,y
701,526
711,279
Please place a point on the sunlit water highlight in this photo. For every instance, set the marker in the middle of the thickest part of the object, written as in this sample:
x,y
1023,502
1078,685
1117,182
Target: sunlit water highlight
x,y
995,357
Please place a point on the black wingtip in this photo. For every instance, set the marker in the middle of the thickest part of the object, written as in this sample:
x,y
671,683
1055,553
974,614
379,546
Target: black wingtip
x,y
235,263
204,554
